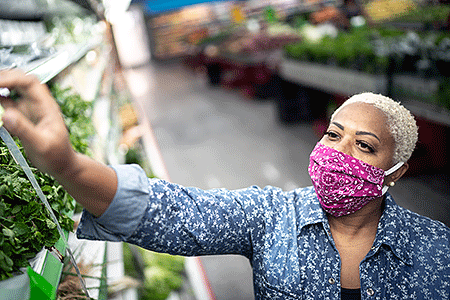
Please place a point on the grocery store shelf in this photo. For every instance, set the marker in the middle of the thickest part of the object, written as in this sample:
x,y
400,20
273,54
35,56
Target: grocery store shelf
x,y
332,79
49,264
102,262
47,68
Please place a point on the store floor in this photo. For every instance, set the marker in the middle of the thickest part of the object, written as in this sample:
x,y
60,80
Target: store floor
x,y
213,137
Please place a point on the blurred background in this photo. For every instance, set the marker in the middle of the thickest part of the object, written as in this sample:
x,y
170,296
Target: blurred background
x,y
237,93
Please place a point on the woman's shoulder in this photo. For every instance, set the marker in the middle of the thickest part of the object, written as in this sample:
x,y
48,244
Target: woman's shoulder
x,y
414,222
416,237
422,224
428,237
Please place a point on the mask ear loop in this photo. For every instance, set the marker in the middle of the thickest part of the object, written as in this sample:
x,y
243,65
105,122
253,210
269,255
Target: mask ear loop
x,y
389,172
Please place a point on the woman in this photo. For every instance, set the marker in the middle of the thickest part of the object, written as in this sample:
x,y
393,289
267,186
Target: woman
x,y
343,238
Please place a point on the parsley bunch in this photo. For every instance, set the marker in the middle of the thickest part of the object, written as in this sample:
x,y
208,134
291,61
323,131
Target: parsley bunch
x,y
25,224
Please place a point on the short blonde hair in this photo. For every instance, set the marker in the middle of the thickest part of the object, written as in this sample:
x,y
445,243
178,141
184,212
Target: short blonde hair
x,y
401,122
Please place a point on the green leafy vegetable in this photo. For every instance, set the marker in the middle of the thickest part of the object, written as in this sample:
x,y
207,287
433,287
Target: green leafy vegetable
x,y
24,221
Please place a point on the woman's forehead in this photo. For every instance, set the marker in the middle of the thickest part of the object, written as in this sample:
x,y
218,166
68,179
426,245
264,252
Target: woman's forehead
x,y
363,117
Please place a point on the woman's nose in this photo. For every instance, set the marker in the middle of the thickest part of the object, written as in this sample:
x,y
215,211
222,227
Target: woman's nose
x,y
343,146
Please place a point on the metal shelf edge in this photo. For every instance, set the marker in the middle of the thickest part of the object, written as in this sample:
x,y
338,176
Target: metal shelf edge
x,y
46,69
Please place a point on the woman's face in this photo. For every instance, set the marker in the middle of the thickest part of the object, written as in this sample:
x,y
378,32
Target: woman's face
x,y
361,130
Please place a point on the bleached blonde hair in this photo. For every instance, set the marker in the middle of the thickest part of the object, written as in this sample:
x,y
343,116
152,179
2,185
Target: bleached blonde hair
x,y
401,122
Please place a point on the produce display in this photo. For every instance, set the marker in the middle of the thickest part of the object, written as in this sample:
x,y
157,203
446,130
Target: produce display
x,y
172,31
353,50
23,42
26,226
160,274
255,43
384,50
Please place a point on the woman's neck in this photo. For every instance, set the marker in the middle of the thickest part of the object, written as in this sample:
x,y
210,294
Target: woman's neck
x,y
362,222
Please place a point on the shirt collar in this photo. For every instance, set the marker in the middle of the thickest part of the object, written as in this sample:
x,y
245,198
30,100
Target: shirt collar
x,y
391,232
309,208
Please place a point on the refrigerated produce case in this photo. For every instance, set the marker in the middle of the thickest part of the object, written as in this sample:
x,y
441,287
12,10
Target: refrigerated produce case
x,y
73,50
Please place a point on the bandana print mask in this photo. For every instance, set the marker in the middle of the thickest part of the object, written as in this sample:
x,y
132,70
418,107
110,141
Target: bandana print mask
x,y
343,183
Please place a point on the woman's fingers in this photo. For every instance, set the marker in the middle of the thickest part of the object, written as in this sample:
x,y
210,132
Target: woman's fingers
x,y
16,79
36,119
35,100
27,86
17,124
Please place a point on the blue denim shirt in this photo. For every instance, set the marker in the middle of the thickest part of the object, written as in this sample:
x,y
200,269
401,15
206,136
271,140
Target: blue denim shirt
x,y
285,235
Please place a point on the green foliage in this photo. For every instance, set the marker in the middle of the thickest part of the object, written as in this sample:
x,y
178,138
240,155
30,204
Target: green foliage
x,y
159,282
77,115
134,155
352,50
24,221
270,15
172,263
129,262
163,274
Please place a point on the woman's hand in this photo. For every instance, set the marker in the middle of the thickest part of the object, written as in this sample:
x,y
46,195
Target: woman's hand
x,y
35,118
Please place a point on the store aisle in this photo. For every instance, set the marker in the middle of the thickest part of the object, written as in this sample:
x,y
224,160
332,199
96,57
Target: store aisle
x,y
212,137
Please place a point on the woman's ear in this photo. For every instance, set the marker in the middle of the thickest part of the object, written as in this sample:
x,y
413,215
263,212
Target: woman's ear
x,y
396,175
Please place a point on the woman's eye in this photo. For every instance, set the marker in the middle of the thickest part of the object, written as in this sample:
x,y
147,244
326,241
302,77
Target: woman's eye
x,y
331,135
366,147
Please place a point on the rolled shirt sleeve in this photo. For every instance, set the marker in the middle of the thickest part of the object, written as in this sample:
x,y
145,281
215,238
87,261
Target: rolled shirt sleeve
x,y
125,212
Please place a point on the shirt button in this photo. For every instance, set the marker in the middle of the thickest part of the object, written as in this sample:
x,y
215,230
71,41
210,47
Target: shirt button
x,y
332,280
370,292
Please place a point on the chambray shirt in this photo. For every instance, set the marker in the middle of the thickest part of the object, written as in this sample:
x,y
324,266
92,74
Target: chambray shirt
x,y
285,235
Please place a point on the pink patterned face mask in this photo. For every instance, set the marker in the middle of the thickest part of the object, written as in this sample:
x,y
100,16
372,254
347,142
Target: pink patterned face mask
x,y
343,183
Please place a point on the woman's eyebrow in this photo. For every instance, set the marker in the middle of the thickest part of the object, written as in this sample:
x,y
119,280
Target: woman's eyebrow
x,y
367,133
358,132
338,125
